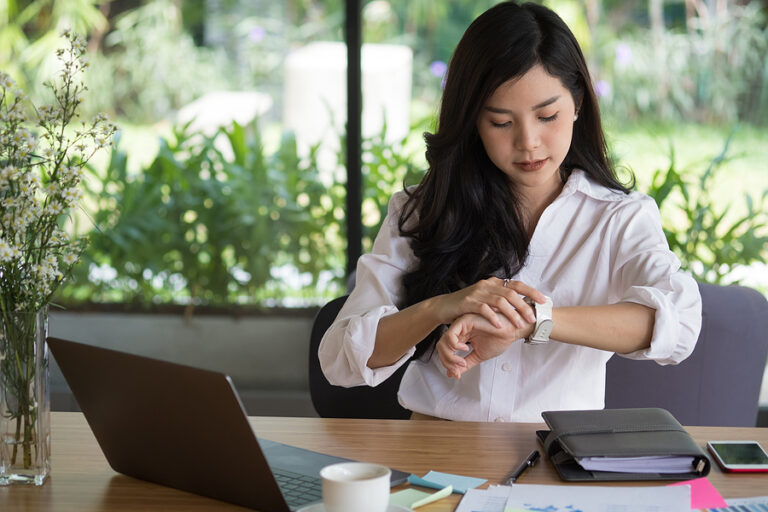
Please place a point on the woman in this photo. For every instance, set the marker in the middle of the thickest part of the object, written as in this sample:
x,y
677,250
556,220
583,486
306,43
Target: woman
x,y
520,209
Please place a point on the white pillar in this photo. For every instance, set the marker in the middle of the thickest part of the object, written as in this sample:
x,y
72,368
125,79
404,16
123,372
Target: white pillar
x,y
314,99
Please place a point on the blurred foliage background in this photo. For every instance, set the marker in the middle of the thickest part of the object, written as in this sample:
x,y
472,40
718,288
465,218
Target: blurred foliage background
x,y
240,215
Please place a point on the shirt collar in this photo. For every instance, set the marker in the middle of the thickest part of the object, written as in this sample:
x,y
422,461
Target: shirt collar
x,y
580,182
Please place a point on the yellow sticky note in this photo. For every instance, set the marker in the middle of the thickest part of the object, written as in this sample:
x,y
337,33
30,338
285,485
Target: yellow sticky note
x,y
413,498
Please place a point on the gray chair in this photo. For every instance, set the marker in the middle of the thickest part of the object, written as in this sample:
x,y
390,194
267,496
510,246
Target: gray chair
x,y
719,384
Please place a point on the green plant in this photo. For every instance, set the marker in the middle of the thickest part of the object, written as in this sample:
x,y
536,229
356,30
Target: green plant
x,y
29,37
212,220
714,71
709,242
149,66
216,220
387,166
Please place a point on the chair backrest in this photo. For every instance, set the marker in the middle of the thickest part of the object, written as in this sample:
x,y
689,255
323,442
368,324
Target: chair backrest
x,y
359,402
719,384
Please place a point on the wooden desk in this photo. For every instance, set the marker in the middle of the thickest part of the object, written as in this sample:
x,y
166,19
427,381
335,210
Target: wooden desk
x,y
82,481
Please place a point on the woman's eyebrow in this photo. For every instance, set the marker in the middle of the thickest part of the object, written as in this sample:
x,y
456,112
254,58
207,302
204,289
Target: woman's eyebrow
x,y
543,104
546,102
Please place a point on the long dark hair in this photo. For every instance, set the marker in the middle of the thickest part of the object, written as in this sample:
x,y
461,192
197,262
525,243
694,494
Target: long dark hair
x,y
464,220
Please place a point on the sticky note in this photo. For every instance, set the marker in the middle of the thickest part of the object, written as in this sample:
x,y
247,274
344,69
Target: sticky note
x,y
703,494
437,480
412,498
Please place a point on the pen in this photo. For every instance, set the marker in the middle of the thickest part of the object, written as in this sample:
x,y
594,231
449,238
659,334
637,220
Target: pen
x,y
529,461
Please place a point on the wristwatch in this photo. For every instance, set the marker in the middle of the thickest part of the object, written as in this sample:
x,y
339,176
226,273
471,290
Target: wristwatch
x,y
544,323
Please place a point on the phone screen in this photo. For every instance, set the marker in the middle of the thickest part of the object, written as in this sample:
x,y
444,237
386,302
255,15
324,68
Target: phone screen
x,y
740,453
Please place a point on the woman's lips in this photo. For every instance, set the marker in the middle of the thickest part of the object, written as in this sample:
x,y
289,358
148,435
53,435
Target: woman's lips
x,y
531,165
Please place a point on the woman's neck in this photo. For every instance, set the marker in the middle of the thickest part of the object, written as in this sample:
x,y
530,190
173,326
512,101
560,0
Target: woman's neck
x,y
535,201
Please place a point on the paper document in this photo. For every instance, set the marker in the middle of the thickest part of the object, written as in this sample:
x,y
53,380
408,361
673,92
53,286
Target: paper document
x,y
703,493
653,464
588,498
559,498
754,504
493,499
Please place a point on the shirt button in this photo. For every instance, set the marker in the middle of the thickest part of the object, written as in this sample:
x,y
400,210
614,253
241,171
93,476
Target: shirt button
x,y
507,367
499,419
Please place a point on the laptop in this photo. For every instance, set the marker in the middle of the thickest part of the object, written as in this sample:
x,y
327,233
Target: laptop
x,y
186,428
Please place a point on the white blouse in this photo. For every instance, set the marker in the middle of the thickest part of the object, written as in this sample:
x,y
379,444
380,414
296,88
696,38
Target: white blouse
x,y
591,246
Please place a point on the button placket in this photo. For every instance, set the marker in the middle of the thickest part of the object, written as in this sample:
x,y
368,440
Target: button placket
x,y
502,382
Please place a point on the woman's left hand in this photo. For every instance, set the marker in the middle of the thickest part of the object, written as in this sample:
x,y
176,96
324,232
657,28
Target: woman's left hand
x,y
486,340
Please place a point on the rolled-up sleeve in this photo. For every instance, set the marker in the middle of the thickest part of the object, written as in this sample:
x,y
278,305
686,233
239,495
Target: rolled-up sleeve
x,y
649,274
348,344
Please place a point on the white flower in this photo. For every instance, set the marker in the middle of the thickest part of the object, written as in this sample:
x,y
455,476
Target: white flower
x,y
8,172
6,252
54,209
34,193
6,81
28,185
78,44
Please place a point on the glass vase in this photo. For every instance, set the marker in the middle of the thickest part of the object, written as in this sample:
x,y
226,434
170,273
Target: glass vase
x,y
25,407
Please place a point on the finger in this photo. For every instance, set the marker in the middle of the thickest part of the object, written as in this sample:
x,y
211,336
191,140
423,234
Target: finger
x,y
450,359
448,356
517,317
526,290
521,308
451,338
454,371
471,361
489,314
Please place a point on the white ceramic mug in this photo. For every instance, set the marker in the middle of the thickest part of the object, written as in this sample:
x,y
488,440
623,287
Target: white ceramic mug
x,y
355,487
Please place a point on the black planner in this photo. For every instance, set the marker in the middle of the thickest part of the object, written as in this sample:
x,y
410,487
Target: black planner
x,y
621,444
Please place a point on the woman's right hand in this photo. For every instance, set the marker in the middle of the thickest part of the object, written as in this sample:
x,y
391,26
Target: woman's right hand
x,y
491,298
473,334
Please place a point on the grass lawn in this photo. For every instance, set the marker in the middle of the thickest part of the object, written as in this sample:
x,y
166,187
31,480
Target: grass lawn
x,y
645,148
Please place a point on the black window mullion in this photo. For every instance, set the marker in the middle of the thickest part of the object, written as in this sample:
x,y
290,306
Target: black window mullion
x,y
353,35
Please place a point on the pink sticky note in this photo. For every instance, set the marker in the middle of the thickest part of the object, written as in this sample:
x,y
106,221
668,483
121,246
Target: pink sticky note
x,y
703,494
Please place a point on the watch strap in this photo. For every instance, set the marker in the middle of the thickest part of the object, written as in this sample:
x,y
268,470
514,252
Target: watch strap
x,y
544,322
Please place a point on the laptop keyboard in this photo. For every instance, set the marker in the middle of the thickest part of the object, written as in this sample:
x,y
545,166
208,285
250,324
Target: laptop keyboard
x,y
298,489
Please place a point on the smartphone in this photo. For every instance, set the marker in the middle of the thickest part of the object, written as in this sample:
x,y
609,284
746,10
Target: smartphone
x,y
739,455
